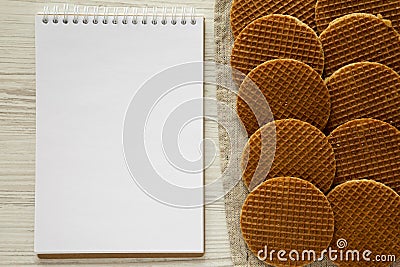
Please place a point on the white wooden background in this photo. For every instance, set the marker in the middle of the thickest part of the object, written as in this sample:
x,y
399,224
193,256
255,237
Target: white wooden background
x,y
17,141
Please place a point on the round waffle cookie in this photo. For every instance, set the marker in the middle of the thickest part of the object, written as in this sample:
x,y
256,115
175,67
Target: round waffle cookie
x,y
243,12
364,90
367,149
291,88
288,148
273,37
286,214
329,10
360,37
367,215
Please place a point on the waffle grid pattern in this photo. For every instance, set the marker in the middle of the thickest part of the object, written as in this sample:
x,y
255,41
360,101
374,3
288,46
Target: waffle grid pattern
x,y
328,10
243,12
364,90
367,149
301,151
367,215
360,37
274,37
287,213
292,90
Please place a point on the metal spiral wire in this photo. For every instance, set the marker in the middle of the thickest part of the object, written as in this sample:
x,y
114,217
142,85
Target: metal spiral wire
x,y
116,15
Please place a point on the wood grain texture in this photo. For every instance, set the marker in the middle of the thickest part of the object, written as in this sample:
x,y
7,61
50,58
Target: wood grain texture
x,y
17,141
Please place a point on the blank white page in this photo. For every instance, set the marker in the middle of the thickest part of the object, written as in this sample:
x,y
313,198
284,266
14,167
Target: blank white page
x,y
88,199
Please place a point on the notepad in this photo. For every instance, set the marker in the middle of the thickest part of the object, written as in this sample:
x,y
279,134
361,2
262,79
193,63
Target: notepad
x,y
113,91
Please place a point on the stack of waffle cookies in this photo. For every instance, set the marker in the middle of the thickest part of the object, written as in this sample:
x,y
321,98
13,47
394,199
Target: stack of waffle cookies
x,y
319,97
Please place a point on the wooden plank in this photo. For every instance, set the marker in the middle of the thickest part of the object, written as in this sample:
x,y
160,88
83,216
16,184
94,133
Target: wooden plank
x,y
17,142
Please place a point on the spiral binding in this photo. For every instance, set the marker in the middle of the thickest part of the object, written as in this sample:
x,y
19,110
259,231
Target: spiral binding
x,y
106,15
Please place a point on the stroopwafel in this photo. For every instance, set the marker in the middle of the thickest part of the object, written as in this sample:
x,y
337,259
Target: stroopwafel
x,y
288,147
243,12
328,10
287,214
367,215
364,90
272,37
291,88
367,149
360,37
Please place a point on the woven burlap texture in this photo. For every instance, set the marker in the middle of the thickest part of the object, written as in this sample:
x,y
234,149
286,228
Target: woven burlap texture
x,y
234,199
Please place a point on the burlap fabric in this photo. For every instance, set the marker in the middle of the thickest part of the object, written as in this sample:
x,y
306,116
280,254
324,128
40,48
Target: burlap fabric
x,y
234,199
